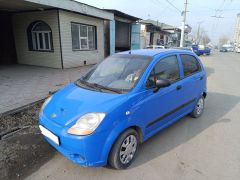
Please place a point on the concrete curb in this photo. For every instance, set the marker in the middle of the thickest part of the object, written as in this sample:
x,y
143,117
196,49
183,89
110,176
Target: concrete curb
x,y
16,110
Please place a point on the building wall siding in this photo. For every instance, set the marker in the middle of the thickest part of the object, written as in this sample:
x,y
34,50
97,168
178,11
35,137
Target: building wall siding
x,y
76,58
21,21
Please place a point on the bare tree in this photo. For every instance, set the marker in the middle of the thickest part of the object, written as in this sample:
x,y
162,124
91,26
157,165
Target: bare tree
x,y
205,39
223,40
201,37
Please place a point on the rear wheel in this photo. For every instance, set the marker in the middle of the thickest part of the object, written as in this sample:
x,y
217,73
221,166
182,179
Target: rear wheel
x,y
199,108
124,150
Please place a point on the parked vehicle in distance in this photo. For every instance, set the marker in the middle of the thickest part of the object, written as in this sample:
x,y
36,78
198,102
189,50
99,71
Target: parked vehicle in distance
x,y
228,47
105,115
201,50
237,49
223,49
155,47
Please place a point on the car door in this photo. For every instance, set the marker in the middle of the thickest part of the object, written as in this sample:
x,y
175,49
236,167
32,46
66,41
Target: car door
x,y
157,109
194,77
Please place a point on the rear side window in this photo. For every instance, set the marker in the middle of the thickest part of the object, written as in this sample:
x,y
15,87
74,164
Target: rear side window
x,y
190,64
166,68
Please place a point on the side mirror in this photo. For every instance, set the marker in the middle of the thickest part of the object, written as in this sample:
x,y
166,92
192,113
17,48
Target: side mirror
x,y
161,83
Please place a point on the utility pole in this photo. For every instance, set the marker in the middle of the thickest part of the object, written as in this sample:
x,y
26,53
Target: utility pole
x,y
198,32
184,13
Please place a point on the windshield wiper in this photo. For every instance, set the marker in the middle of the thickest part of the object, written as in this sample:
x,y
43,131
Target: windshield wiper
x,y
107,88
88,84
99,87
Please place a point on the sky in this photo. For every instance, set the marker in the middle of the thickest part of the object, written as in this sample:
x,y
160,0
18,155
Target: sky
x,y
199,11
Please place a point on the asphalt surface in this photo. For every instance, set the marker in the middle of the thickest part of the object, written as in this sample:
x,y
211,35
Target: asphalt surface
x,y
204,148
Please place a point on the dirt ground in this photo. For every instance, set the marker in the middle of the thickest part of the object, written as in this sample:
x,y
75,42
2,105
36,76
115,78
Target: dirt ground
x,y
22,147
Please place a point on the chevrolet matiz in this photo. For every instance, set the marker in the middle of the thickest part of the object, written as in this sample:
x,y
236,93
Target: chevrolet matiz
x,y
104,116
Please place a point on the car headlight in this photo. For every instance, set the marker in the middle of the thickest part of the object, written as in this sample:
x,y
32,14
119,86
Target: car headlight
x,y
87,124
45,104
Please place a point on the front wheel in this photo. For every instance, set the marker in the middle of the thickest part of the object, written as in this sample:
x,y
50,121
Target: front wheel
x,y
124,150
199,108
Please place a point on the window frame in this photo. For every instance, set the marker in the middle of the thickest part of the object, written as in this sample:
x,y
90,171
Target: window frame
x,y
80,38
200,66
153,69
34,38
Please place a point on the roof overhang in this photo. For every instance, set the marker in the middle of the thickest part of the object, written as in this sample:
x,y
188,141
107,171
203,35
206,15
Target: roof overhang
x,y
12,6
121,16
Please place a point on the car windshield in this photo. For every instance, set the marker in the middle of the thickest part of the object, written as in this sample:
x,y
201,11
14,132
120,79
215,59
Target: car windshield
x,y
118,73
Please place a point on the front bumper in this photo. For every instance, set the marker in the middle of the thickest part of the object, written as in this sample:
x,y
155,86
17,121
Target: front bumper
x,y
83,150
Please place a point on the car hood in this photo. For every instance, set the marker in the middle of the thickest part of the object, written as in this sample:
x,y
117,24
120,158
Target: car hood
x,y
70,103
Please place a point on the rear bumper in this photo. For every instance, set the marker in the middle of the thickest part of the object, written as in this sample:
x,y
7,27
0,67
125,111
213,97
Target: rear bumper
x,y
83,150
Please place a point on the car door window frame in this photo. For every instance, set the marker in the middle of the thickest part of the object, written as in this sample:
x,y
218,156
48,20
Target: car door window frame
x,y
153,69
199,65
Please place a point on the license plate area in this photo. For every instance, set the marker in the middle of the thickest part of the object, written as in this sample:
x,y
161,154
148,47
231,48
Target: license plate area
x,y
49,134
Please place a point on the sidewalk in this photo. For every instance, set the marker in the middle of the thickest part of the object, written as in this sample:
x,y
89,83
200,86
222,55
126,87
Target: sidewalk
x,y
21,84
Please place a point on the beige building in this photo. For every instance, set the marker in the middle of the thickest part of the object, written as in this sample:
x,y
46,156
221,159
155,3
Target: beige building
x,y
52,34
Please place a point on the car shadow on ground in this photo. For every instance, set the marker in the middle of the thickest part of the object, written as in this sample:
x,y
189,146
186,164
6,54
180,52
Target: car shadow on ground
x,y
217,105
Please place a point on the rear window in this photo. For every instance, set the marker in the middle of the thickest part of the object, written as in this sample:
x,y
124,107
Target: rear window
x,y
190,64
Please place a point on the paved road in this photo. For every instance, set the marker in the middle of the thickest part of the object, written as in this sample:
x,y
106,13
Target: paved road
x,y
204,148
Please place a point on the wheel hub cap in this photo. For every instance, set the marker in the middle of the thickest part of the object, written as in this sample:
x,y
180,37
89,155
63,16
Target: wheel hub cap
x,y
128,149
200,106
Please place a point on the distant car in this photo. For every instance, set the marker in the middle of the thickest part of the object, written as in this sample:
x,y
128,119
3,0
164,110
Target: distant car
x,y
201,50
155,47
105,115
207,51
228,47
223,49
237,49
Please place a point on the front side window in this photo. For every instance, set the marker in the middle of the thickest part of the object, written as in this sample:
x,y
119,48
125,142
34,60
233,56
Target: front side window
x,y
40,36
118,72
190,64
166,68
83,37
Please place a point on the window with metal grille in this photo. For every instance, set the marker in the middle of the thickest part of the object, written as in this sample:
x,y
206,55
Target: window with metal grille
x,y
83,37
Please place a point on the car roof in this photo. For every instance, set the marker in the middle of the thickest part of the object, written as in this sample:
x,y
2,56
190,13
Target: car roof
x,y
153,52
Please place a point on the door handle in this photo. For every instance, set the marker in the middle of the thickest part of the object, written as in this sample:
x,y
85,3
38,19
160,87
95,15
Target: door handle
x,y
178,87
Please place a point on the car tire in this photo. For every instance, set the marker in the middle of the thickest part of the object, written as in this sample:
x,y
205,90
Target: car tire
x,y
122,153
199,108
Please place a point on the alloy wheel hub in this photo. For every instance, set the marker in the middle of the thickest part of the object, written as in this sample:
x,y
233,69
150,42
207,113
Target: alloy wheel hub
x,y
128,149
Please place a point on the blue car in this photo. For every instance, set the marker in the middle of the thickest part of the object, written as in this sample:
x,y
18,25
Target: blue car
x,y
104,116
201,50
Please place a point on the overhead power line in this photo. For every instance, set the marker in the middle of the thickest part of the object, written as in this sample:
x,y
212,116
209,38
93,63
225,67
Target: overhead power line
x,y
217,17
173,6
